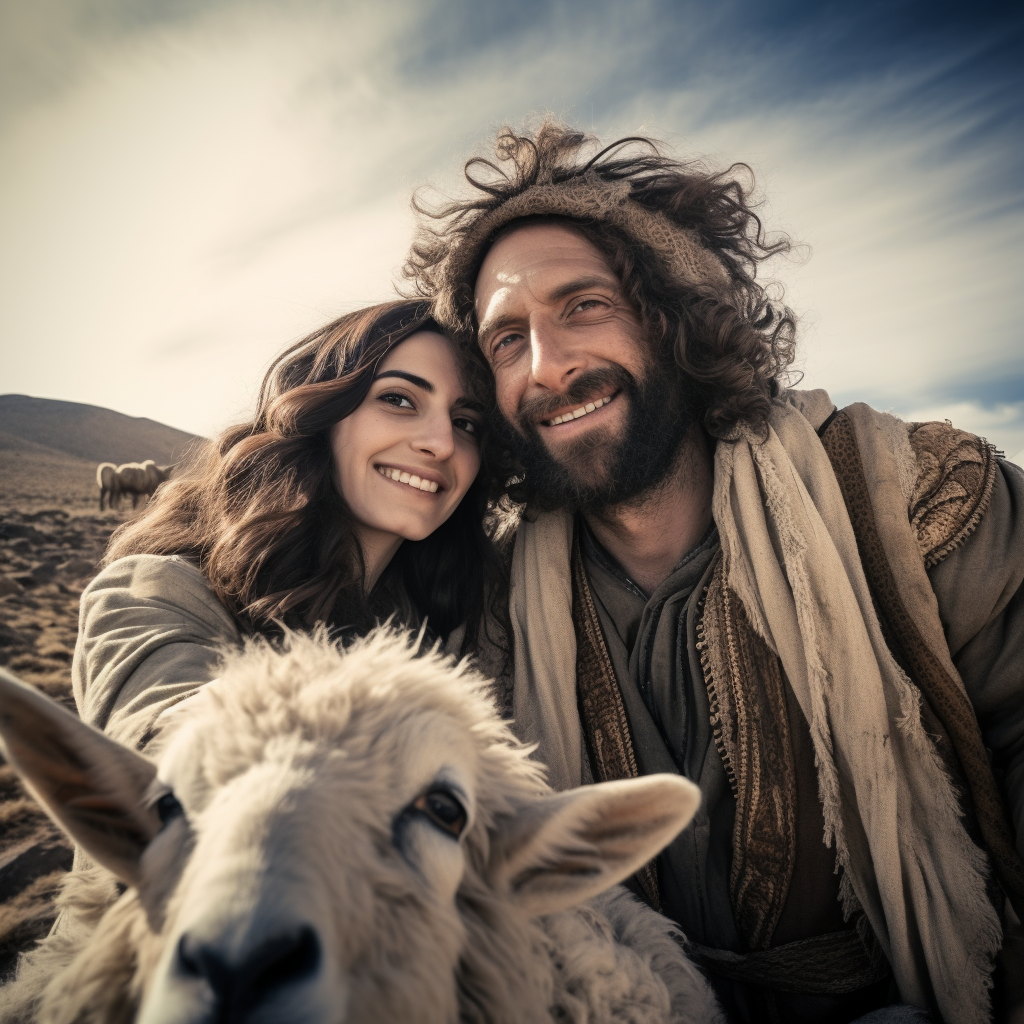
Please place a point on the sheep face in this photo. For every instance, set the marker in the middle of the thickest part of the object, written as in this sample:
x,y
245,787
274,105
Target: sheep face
x,y
317,837
343,834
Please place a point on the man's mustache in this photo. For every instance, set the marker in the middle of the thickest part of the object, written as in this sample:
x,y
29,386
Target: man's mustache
x,y
589,384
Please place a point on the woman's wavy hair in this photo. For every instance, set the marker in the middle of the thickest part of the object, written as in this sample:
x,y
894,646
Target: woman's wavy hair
x,y
735,344
259,512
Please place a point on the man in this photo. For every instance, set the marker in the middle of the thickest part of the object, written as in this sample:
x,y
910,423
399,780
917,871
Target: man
x,y
815,614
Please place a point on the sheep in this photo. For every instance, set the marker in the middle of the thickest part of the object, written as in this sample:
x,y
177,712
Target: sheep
x,y
139,479
155,476
134,478
107,481
338,835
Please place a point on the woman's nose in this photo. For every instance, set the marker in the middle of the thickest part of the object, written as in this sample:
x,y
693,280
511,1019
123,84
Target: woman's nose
x,y
438,439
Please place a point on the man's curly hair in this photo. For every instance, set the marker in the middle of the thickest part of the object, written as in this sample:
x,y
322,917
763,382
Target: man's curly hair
x,y
729,335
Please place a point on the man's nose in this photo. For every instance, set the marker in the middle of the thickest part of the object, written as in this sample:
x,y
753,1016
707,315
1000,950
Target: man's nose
x,y
555,357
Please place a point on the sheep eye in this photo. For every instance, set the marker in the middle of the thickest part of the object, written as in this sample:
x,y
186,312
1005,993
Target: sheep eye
x,y
168,807
443,810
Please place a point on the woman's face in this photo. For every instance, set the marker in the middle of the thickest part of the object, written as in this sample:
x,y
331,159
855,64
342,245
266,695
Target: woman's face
x,y
406,457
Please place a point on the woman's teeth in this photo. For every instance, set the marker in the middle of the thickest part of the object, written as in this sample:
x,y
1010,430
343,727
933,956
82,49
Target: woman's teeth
x,y
581,411
407,478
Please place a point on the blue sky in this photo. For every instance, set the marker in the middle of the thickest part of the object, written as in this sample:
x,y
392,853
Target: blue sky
x,y
186,187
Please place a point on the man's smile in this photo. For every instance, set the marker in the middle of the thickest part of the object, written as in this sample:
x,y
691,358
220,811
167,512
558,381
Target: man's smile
x,y
571,415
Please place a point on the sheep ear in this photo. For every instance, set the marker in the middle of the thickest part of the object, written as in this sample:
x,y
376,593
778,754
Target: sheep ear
x,y
562,849
93,787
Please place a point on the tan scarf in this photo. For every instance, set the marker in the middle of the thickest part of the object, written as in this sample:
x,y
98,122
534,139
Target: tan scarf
x,y
889,805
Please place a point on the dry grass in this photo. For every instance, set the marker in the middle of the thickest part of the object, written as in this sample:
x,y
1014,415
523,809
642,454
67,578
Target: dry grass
x,y
47,555
52,535
26,918
37,480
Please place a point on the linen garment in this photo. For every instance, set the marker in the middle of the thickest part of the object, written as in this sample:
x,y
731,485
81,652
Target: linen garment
x,y
653,640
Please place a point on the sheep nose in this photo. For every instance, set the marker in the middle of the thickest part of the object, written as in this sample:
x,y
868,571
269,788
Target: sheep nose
x,y
240,983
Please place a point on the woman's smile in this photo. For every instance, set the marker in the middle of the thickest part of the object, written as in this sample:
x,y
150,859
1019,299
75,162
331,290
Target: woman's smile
x,y
403,476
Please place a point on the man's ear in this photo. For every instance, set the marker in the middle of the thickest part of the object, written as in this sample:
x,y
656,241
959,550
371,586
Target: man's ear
x,y
93,787
562,849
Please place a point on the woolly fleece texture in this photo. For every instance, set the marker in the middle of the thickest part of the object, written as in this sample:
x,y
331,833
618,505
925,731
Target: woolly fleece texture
x,y
293,769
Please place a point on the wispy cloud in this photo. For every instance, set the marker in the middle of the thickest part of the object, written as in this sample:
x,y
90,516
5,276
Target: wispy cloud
x,y
239,171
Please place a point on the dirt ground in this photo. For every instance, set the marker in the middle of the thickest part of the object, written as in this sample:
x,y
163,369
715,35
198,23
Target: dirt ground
x,y
47,556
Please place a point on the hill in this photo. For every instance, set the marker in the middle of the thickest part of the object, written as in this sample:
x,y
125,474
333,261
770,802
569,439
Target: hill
x,y
89,431
49,450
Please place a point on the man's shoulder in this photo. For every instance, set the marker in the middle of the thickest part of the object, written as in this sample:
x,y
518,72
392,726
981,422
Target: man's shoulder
x,y
945,474
956,471
815,405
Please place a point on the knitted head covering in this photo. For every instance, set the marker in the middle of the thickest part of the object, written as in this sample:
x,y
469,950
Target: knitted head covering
x,y
586,197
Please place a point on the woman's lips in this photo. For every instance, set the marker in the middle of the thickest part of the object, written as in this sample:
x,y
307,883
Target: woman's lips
x,y
403,476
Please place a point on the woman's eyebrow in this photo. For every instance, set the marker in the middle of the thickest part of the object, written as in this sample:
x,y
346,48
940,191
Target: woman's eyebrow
x,y
420,382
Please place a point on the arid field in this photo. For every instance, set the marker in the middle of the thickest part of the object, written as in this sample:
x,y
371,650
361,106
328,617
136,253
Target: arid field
x,y
46,558
52,535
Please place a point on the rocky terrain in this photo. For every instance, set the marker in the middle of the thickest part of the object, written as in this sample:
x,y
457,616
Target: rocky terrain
x,y
46,558
52,536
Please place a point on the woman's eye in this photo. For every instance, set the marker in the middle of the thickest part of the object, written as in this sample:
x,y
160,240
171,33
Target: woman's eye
x,y
442,810
397,400
470,427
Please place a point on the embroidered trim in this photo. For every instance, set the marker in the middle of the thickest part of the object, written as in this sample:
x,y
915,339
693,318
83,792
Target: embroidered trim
x,y
602,713
941,693
709,683
955,475
750,723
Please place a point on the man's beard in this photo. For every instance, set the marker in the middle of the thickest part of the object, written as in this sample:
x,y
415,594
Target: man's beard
x,y
596,471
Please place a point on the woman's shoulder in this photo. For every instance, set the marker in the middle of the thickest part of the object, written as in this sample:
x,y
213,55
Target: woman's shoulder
x,y
151,573
173,583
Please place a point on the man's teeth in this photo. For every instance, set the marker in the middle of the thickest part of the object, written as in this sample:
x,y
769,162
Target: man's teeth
x,y
581,411
411,479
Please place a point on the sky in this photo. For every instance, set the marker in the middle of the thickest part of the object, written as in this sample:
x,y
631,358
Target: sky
x,y
187,187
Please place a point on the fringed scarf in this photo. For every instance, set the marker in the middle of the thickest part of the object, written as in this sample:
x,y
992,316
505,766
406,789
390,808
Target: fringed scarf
x,y
791,557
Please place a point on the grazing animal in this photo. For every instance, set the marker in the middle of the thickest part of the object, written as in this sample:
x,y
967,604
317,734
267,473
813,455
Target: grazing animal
x,y
155,476
107,481
343,835
139,479
132,478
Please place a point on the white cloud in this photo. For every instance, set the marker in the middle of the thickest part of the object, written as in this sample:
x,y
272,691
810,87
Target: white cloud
x,y
157,233
212,189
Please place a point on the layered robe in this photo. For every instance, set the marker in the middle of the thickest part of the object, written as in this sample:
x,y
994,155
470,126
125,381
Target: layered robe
x,y
611,681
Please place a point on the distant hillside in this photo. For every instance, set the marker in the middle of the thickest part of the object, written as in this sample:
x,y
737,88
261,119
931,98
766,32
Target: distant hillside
x,y
49,450
87,432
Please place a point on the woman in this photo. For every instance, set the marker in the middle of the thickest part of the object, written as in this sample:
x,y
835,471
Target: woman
x,y
354,495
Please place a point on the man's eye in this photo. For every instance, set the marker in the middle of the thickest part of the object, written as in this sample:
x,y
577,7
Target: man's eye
x,y
397,400
587,304
504,341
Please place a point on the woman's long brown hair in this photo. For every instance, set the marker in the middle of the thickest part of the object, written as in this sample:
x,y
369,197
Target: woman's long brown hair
x,y
259,513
